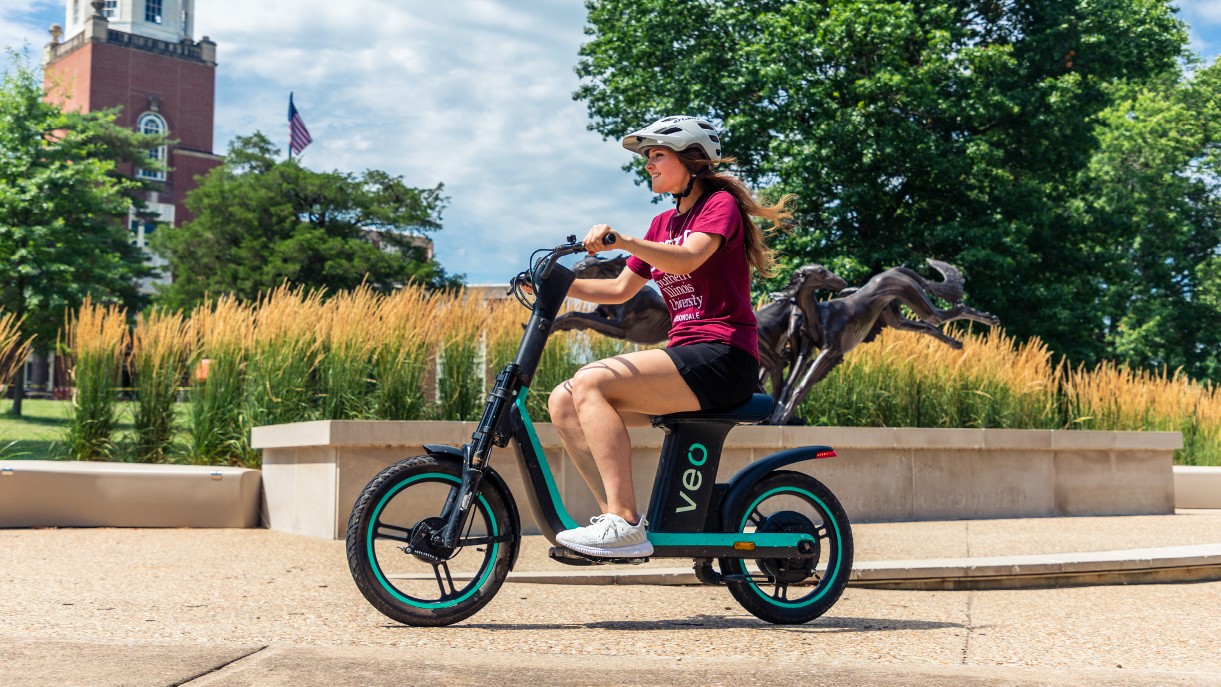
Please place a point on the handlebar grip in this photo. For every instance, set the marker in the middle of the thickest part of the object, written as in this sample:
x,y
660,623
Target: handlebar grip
x,y
608,240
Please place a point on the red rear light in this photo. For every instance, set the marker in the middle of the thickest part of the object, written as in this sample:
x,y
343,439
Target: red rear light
x,y
825,454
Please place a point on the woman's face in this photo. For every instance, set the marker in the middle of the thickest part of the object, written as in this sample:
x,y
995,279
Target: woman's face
x,y
668,172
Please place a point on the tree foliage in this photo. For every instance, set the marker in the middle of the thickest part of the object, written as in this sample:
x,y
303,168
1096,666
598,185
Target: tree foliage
x,y
1154,187
951,129
63,200
259,222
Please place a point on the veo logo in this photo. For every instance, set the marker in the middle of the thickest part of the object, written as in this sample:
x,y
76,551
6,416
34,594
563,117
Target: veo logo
x,y
693,479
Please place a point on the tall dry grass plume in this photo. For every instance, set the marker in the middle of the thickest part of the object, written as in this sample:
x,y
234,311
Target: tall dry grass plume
x,y
162,344
907,379
349,342
407,330
286,348
97,337
1114,397
14,349
460,356
219,430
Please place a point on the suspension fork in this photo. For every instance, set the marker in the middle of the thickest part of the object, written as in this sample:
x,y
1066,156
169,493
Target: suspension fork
x,y
491,431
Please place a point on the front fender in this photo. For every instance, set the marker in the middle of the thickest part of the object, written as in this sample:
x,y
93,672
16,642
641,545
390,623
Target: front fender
x,y
498,482
740,484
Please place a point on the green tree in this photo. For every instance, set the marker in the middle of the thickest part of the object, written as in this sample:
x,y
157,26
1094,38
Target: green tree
x,y
1155,185
63,199
951,129
260,222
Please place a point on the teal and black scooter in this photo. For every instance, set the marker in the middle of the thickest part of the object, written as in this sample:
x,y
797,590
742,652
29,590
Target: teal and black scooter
x,y
432,538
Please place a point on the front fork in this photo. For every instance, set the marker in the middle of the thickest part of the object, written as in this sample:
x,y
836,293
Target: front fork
x,y
475,457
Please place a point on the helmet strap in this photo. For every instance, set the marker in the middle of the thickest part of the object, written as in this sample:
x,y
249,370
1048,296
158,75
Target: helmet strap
x,y
678,197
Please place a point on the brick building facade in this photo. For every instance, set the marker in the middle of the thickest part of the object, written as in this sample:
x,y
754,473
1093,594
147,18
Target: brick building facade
x,y
139,55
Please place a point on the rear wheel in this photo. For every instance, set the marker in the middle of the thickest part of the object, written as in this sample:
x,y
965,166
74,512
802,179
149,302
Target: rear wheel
x,y
396,565
795,590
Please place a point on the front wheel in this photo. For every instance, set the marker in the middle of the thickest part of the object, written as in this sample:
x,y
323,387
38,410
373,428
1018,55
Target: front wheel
x,y
795,590
390,555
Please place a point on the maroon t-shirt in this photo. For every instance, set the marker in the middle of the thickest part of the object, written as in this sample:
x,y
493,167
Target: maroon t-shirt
x,y
712,304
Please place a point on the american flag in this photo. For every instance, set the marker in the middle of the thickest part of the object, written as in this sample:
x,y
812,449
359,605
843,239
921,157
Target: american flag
x,y
298,136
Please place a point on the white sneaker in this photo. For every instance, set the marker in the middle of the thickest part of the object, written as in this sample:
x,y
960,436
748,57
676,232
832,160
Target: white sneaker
x,y
608,536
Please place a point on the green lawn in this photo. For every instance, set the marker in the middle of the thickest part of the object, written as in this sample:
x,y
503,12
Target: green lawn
x,y
39,433
36,435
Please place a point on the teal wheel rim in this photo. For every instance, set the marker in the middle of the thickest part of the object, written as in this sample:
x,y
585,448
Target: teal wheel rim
x,y
482,575
838,552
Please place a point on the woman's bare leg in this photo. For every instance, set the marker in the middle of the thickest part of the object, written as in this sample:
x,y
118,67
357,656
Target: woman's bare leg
x,y
568,425
644,383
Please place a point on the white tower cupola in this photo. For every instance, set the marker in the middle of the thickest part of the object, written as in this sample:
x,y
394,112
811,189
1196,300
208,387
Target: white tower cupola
x,y
167,20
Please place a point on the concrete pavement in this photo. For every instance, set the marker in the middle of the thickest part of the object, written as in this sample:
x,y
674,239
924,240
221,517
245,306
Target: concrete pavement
x,y
106,607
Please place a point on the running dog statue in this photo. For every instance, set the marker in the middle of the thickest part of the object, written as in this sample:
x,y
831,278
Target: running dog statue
x,y
643,319
833,328
796,331
782,320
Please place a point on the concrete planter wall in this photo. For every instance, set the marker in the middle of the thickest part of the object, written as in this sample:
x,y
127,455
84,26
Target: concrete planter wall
x,y
313,471
49,493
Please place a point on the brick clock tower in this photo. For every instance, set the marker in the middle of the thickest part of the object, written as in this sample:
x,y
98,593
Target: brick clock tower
x,y
140,55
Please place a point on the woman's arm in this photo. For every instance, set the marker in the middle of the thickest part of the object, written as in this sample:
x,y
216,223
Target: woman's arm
x,y
669,258
608,291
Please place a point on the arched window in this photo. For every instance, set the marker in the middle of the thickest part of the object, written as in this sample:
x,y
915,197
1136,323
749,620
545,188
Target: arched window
x,y
152,123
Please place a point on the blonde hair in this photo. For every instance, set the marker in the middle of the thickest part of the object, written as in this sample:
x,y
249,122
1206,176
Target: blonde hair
x,y
762,258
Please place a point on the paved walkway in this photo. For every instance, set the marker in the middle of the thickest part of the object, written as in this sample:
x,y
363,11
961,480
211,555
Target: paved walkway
x,y
253,607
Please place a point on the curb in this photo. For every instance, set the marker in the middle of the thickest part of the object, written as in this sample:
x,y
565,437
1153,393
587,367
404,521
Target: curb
x,y
1132,566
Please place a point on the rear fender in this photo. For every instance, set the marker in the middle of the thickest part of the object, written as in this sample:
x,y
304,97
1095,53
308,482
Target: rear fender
x,y
740,484
454,455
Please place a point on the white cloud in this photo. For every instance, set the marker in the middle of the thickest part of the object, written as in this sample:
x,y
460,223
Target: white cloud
x,y
472,93
1203,18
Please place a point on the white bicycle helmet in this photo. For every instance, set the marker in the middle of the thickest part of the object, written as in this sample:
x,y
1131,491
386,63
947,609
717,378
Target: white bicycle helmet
x,y
677,134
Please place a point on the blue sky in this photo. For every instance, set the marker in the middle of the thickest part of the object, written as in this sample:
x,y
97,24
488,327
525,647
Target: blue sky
x,y
472,93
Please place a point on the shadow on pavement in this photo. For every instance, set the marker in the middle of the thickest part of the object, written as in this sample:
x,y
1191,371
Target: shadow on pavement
x,y
707,622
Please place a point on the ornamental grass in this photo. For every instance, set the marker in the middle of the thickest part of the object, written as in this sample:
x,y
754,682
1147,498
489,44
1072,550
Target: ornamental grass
x,y
220,431
418,355
285,350
97,337
407,331
904,379
161,347
461,357
1113,397
14,349
350,338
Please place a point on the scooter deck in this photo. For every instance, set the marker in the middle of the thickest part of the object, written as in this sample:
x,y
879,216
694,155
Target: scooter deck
x,y
567,556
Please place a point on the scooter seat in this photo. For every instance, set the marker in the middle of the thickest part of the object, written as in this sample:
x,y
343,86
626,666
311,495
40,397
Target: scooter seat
x,y
757,409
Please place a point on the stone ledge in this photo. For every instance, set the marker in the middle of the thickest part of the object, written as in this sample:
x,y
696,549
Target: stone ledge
x,y
1197,487
313,472
337,433
46,493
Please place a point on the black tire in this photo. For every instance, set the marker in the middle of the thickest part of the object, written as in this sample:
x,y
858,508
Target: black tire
x,y
793,591
406,587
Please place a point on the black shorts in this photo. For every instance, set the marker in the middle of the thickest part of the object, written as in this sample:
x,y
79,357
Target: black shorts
x,y
720,375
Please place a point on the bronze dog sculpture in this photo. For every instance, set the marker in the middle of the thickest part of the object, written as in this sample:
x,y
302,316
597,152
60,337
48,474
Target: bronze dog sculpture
x,y
643,319
782,319
833,328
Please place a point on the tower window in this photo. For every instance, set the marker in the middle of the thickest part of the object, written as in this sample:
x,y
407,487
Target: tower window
x,y
151,123
111,10
152,11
